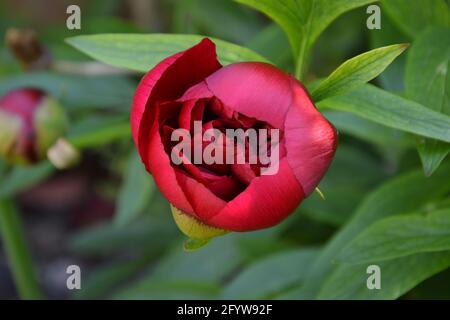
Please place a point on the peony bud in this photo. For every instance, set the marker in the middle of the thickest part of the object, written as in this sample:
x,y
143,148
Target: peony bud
x,y
30,122
190,94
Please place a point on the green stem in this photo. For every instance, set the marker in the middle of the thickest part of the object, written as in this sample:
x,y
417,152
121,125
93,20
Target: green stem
x,y
17,251
300,63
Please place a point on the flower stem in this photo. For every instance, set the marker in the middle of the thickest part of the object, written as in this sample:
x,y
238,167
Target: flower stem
x,y
300,64
17,251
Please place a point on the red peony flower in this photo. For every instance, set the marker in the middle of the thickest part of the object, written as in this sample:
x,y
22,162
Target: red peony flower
x,y
192,86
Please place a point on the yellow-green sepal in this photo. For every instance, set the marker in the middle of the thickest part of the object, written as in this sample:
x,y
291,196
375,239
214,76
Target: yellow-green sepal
x,y
194,244
199,234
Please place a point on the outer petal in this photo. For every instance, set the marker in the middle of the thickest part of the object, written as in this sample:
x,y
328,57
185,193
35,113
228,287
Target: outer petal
x,y
265,202
310,139
143,92
169,80
163,172
255,89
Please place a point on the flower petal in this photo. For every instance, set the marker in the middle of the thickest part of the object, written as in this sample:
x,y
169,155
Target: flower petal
x,y
310,139
162,171
264,203
255,89
168,81
204,202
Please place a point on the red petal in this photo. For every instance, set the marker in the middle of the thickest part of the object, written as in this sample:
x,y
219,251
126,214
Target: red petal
x,y
163,172
254,89
168,81
243,172
310,139
225,187
204,202
144,90
266,201
191,111
199,91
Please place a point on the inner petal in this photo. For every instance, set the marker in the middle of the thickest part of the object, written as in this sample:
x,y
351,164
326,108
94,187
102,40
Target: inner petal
x,y
224,180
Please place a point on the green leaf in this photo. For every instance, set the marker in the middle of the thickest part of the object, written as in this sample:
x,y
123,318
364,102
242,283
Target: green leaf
x,y
392,78
398,276
196,16
402,194
384,137
77,91
432,153
279,270
217,259
149,234
271,42
412,19
357,71
399,236
141,52
303,20
181,274
427,82
135,193
104,279
99,130
169,289
391,110
21,178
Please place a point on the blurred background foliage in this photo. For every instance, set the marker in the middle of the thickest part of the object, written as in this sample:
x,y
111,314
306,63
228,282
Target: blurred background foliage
x,y
107,216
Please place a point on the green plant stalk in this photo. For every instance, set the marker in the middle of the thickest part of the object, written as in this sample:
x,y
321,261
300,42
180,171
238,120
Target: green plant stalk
x,y
300,65
17,251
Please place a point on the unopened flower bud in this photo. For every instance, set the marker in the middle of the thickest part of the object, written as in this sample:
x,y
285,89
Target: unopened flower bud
x,y
30,122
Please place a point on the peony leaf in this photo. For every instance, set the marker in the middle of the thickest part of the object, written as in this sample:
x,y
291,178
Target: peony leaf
x,y
77,91
303,20
179,274
398,276
399,236
427,82
141,52
392,78
94,131
412,19
357,71
149,234
400,195
135,193
391,110
284,269
387,139
23,177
